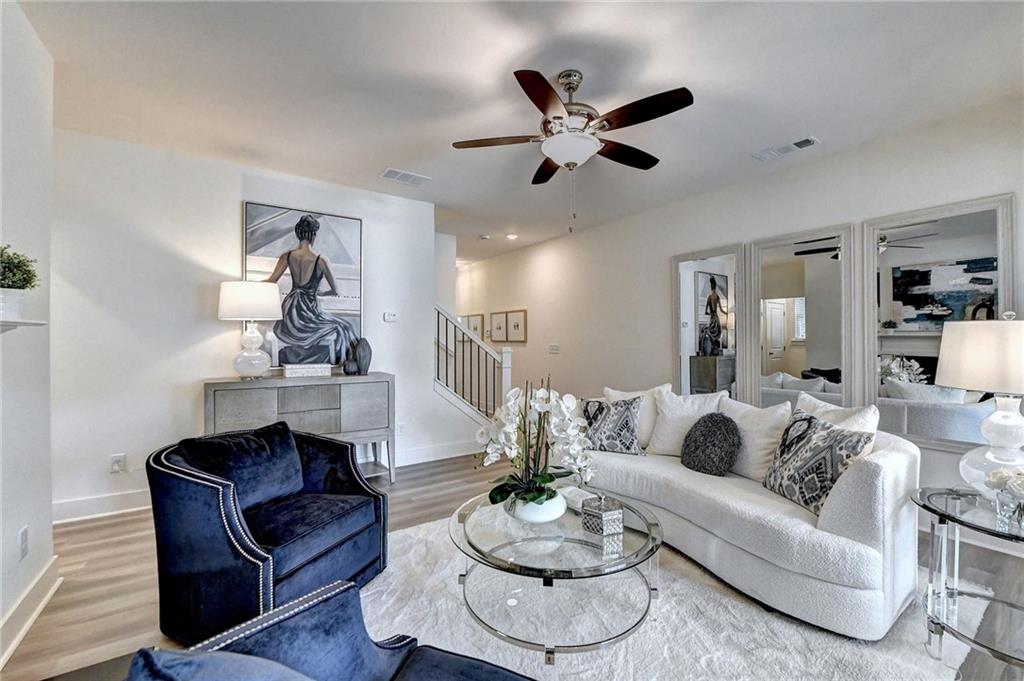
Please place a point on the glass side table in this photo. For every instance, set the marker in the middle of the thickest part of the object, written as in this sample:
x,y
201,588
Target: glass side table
x,y
952,509
554,587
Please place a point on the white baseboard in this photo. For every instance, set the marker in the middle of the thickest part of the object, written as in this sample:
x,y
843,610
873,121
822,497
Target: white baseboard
x,y
28,608
102,504
408,457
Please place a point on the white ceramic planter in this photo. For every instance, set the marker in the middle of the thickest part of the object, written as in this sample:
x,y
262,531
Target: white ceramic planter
x,y
528,512
11,300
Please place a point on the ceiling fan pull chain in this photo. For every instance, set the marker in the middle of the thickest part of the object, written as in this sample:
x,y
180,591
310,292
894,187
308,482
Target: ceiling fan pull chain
x,y
572,201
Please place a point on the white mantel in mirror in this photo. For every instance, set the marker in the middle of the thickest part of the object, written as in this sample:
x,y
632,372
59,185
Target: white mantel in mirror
x,y
911,343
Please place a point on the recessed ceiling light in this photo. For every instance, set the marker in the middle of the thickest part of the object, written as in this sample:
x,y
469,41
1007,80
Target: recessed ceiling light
x,y
485,237
511,237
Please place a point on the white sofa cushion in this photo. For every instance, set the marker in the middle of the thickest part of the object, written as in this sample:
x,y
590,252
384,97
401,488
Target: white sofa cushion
x,y
772,380
922,392
761,430
833,388
814,385
648,408
861,419
745,514
676,415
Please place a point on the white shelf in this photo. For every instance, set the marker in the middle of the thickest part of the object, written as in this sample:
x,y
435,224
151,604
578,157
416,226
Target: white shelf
x,y
9,324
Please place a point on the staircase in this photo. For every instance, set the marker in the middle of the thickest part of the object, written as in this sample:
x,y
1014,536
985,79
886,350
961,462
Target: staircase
x,y
467,371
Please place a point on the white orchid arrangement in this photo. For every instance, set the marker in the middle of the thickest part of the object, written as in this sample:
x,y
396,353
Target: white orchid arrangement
x,y
532,429
899,368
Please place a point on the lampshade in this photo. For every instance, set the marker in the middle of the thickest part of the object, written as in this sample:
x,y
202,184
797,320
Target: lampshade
x,y
249,300
986,356
567,148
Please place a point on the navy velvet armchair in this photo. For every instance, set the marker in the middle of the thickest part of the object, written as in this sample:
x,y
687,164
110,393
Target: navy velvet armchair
x,y
248,519
319,637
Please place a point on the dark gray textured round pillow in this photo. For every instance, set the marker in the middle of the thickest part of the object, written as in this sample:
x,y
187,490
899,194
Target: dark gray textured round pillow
x,y
712,445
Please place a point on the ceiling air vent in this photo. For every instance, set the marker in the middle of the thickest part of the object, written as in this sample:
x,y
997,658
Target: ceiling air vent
x,y
773,153
405,177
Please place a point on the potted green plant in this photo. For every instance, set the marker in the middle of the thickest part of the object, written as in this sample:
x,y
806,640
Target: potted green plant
x,y
17,275
889,326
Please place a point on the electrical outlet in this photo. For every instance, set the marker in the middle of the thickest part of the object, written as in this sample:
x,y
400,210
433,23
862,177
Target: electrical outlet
x,y
390,317
554,349
118,464
23,542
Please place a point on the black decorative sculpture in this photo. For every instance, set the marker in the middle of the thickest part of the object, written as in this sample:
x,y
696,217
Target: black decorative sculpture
x,y
363,353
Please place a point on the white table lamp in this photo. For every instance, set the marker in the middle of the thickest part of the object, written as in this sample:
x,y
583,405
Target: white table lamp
x,y
988,356
250,301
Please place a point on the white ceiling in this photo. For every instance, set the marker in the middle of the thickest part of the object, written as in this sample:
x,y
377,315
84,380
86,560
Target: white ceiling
x,y
339,91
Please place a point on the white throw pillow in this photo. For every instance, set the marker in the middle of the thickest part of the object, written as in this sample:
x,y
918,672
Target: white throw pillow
x,y
676,415
772,380
861,419
760,432
833,388
648,408
922,392
814,385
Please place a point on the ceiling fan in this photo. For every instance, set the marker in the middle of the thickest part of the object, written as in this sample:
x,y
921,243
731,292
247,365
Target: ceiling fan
x,y
884,244
570,129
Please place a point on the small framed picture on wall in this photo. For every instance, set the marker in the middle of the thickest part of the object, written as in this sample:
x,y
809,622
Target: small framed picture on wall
x,y
499,324
475,323
515,324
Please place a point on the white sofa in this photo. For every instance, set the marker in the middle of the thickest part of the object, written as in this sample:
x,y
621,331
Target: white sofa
x,y
932,420
852,570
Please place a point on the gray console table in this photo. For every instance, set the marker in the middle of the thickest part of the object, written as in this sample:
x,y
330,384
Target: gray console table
x,y
357,409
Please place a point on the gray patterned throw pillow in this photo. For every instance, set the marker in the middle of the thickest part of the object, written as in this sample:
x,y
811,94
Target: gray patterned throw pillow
x,y
611,426
811,457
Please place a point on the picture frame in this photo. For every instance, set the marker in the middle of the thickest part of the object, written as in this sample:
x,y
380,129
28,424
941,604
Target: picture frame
x,y
702,287
515,326
475,323
268,231
499,326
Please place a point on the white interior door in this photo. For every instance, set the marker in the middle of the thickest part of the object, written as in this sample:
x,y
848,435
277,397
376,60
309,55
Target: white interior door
x,y
773,334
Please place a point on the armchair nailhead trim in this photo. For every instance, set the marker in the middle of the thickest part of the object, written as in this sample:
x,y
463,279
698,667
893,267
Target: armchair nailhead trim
x,y
160,463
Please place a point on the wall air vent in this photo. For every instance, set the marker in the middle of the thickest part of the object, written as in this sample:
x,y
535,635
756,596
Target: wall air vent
x,y
405,177
773,153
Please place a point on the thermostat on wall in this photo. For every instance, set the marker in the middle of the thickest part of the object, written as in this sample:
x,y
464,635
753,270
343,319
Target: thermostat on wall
x,y
391,317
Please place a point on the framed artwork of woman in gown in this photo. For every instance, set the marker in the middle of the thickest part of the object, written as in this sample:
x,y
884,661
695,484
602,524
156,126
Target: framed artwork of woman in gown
x,y
316,260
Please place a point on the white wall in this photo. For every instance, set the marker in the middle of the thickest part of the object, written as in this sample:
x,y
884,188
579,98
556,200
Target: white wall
x,y
823,305
605,293
444,271
26,179
142,238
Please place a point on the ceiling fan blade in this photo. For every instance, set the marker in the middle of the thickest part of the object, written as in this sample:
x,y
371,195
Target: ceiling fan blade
x,y
627,155
493,141
540,92
815,251
814,241
891,245
545,172
645,109
908,238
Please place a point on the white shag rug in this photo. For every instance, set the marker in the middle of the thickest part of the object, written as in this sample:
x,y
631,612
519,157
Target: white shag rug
x,y
702,628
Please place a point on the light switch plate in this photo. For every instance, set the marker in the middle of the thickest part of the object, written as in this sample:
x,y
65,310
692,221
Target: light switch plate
x,y
554,349
390,317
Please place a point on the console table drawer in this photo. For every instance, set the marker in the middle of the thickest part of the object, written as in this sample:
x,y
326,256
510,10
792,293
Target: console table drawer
x,y
244,409
308,397
364,406
318,422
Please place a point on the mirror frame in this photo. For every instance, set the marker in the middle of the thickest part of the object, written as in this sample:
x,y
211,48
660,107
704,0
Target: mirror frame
x,y
1010,280
752,349
738,251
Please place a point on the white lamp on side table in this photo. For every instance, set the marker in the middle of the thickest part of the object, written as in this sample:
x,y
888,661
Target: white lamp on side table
x,y
988,356
250,302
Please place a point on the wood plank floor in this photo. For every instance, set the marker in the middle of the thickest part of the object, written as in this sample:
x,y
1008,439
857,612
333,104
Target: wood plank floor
x,y
107,606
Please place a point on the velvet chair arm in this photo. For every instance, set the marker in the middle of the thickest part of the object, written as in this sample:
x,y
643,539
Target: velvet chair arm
x,y
212,575
329,467
321,635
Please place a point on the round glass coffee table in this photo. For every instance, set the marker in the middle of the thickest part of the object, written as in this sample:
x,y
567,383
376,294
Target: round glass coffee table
x,y
555,587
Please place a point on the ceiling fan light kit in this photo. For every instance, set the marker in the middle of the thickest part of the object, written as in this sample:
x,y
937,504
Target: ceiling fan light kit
x,y
570,149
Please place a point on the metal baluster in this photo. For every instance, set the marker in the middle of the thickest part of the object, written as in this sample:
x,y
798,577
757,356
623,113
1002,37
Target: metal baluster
x,y
437,329
446,383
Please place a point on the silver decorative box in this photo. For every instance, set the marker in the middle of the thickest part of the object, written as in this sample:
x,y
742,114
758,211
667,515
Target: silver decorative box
x,y
602,515
611,546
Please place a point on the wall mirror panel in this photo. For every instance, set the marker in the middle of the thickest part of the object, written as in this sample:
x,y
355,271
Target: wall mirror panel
x,y
707,296
926,268
801,315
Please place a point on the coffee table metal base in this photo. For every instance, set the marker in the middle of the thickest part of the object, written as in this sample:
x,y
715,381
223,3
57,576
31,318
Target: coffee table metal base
x,y
558,616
